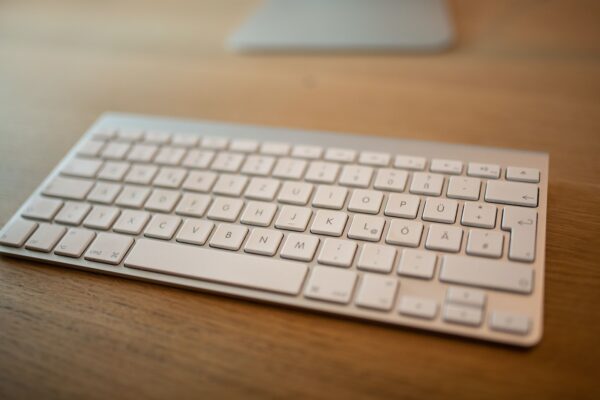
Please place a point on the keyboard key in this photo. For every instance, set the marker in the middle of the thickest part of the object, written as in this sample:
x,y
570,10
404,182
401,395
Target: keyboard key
x,y
168,155
113,170
465,296
417,264
91,148
227,162
391,180
243,145
330,284
522,224
510,323
229,268
142,152
293,218
259,213
332,197
262,189
428,184
440,210
311,152
444,238
42,209
485,243
480,215
337,252
377,258
16,233
331,223
224,209
230,185
74,243
377,292
45,238
418,307
300,247
215,143
195,231
162,200
366,227
200,181
115,150
376,159
411,163
340,155
402,205
170,177
258,165
356,176
131,222
531,175
104,193
199,159
446,166
193,205
297,193
133,196
81,167
129,135
68,188
109,248
499,275
184,140
162,226
322,172
101,217
72,213
405,233
157,137
457,314
463,188
491,171
365,201
275,148
263,241
519,194
141,174
289,168
106,133
228,236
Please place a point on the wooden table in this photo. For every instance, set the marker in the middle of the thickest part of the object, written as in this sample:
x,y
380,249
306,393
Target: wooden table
x,y
523,75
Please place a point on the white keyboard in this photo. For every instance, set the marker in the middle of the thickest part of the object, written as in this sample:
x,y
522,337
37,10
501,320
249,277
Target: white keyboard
x,y
443,237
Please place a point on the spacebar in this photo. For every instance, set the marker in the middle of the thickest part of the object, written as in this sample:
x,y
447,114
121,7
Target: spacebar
x,y
215,265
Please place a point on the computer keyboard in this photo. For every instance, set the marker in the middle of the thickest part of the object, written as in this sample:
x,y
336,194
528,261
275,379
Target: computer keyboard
x,y
437,236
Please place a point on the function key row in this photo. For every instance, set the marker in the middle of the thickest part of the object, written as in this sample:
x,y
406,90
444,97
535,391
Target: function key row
x,y
145,150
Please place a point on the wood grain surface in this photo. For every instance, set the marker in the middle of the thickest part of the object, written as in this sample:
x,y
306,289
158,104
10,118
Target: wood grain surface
x,y
524,74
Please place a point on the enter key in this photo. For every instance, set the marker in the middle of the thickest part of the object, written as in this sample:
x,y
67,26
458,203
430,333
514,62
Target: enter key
x,y
522,224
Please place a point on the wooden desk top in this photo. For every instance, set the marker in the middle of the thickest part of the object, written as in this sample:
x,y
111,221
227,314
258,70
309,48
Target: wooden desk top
x,y
523,75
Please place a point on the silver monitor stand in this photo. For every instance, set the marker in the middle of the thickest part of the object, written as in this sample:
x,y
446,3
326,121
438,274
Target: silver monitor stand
x,y
346,25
